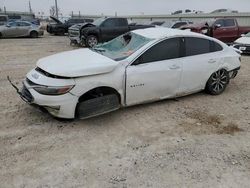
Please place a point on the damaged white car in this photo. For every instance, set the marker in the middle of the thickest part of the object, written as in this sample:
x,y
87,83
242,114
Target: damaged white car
x,y
141,66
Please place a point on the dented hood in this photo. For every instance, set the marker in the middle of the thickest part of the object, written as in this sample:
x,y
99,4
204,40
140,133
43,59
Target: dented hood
x,y
77,63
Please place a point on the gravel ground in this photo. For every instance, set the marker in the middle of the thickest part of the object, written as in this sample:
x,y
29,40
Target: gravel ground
x,y
195,141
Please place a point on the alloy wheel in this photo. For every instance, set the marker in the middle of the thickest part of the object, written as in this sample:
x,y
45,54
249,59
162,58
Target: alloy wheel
x,y
219,80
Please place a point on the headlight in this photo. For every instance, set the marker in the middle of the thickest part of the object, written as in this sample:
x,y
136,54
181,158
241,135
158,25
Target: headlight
x,y
48,90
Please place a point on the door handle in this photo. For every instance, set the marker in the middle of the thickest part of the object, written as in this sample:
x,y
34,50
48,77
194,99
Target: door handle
x,y
211,61
173,67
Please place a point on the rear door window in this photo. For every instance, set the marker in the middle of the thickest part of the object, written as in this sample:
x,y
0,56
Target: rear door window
x,y
109,23
121,22
198,46
229,23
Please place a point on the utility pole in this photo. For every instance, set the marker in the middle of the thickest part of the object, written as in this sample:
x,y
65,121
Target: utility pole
x,y
30,9
56,9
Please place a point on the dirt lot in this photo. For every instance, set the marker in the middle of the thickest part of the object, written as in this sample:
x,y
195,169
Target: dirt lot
x,y
195,141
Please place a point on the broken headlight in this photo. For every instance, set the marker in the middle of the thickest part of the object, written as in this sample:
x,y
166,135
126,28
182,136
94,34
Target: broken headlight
x,y
53,90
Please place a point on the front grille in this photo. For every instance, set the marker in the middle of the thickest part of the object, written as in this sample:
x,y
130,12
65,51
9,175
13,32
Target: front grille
x,y
73,33
26,94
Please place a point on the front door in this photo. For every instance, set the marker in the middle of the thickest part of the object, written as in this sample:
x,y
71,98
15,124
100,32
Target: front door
x,y
155,74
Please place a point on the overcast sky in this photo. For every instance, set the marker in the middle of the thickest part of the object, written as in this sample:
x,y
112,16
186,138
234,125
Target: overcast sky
x,y
125,7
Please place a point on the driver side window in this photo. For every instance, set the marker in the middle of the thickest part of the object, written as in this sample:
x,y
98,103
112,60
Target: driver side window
x,y
165,50
109,23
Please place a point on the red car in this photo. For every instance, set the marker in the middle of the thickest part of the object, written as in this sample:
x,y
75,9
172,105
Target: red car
x,y
224,29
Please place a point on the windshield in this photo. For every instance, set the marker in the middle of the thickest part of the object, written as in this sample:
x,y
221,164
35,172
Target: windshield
x,y
122,47
247,35
167,24
98,21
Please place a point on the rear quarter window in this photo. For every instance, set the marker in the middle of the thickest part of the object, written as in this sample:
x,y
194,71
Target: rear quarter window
x,y
197,46
229,23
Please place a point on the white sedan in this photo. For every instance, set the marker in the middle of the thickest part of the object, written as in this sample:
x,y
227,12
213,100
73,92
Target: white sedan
x,y
138,67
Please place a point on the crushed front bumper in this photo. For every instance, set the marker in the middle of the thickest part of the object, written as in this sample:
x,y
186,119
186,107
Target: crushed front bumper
x,y
61,106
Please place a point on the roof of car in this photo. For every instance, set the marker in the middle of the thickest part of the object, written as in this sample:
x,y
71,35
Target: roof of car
x,y
161,32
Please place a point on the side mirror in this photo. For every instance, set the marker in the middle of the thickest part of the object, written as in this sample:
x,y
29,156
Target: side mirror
x,y
216,26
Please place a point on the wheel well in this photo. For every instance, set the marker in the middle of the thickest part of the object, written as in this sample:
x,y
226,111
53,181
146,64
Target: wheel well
x,y
99,91
94,34
33,31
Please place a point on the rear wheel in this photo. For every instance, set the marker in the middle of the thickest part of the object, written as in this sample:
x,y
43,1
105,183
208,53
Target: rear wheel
x,y
33,34
91,41
217,82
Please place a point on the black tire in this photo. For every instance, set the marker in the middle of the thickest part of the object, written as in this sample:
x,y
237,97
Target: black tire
x,y
34,34
91,41
217,82
1,36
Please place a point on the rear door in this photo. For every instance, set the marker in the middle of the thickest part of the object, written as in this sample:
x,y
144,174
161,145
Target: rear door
x,y
228,30
155,74
201,59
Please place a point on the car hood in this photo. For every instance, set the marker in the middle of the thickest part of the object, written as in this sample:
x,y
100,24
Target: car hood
x,y
243,40
77,63
56,20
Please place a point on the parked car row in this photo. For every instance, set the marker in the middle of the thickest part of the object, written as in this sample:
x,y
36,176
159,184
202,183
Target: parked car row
x,y
60,28
101,30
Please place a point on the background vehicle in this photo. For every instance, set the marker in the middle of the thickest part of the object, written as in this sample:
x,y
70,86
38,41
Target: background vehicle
x,y
20,29
176,24
157,23
140,66
60,28
243,43
101,30
224,29
3,19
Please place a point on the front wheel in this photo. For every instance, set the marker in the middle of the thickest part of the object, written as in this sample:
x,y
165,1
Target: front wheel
x,y
217,82
91,41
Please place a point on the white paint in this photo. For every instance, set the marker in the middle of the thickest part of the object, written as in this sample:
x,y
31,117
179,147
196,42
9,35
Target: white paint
x,y
135,84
